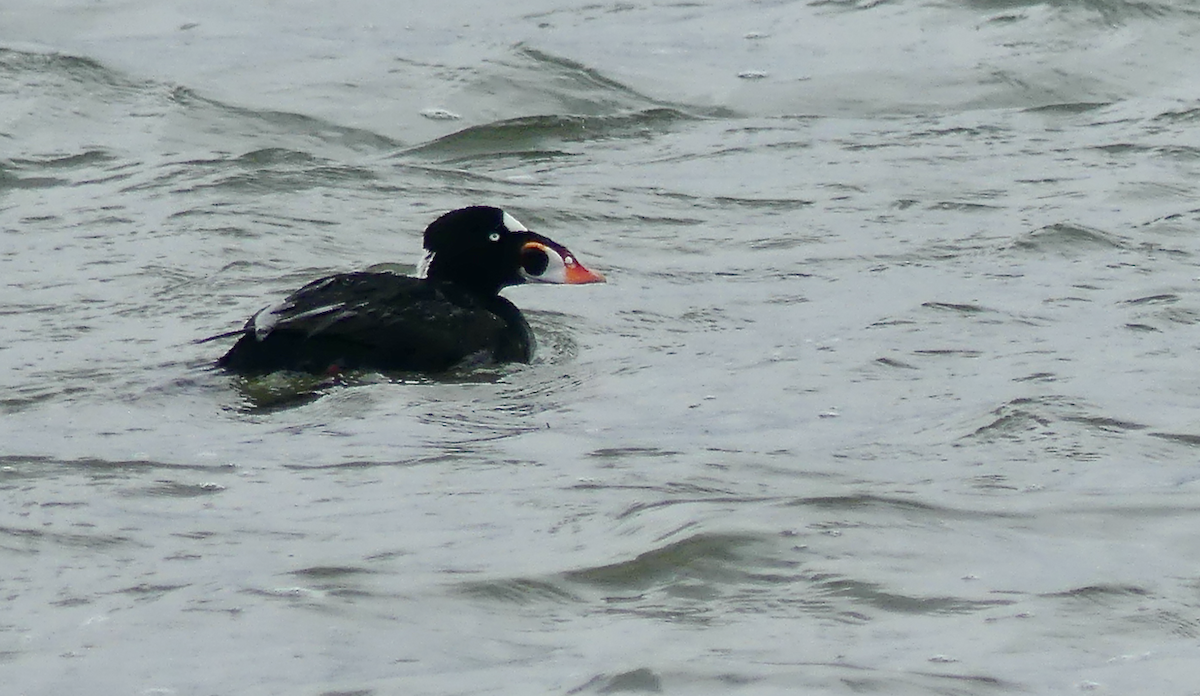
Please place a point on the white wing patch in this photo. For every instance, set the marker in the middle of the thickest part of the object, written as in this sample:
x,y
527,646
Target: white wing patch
x,y
513,225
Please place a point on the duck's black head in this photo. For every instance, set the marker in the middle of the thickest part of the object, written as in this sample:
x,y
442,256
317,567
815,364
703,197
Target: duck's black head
x,y
485,249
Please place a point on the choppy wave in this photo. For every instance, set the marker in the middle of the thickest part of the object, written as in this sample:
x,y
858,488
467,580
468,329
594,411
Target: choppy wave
x,y
1067,238
531,136
81,97
703,575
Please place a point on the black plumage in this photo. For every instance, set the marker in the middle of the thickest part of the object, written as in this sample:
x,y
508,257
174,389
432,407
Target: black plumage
x,y
452,316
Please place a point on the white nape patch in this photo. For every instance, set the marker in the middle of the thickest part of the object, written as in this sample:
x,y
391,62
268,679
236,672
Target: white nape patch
x,y
423,266
513,225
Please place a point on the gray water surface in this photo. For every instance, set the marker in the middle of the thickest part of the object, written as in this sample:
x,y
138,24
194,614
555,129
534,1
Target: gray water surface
x,y
892,388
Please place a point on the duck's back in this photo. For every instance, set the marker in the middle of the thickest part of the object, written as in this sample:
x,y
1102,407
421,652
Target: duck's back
x,y
380,321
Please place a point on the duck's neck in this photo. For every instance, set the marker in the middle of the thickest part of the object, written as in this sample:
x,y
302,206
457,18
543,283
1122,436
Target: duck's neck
x,y
479,279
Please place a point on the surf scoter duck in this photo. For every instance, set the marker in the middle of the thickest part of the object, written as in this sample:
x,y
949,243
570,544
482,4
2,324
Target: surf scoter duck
x,y
449,315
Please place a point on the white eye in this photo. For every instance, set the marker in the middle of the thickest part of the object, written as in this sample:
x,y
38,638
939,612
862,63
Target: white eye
x,y
494,237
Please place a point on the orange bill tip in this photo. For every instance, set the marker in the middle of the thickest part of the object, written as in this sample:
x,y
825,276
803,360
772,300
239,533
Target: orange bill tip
x,y
577,274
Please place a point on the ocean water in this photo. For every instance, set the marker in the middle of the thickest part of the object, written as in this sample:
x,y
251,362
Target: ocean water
x,y
892,390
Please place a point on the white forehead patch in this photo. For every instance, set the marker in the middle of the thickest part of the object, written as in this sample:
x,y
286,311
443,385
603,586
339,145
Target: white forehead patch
x,y
513,225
